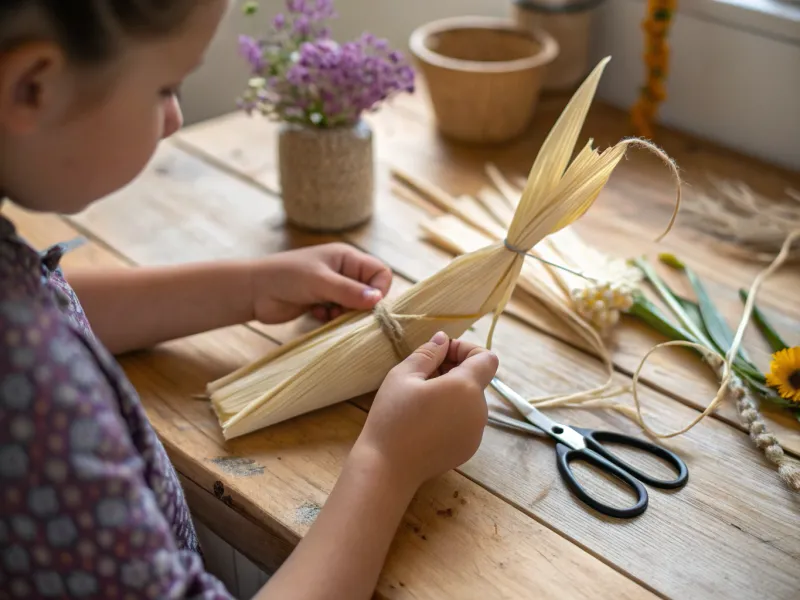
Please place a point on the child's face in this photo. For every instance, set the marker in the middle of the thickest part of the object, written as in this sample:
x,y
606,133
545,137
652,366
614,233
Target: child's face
x,y
73,137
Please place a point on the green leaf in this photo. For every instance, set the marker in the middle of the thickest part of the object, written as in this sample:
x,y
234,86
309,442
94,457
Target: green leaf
x,y
773,339
692,310
650,314
714,323
672,302
750,372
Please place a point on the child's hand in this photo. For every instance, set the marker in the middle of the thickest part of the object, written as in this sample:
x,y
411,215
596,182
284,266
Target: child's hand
x,y
429,415
325,279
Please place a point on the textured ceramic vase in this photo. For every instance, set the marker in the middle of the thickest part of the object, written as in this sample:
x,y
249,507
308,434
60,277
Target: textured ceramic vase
x,y
326,176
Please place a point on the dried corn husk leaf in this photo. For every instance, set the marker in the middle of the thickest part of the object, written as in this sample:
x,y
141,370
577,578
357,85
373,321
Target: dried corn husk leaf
x,y
352,355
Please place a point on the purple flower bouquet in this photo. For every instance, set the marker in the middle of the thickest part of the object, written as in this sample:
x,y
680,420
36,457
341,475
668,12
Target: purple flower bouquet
x,y
300,75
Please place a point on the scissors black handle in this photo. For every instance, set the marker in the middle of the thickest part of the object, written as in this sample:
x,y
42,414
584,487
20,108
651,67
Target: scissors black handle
x,y
594,440
599,456
566,455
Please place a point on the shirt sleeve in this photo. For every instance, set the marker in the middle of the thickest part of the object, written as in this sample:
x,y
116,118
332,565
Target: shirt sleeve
x,y
79,519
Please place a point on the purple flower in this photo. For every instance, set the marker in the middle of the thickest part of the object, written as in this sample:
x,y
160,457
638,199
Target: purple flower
x,y
298,75
251,50
304,76
296,6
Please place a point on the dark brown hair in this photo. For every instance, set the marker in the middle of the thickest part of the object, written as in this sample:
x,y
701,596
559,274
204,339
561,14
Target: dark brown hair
x,y
90,30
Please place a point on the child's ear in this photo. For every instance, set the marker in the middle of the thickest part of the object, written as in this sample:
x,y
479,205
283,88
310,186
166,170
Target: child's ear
x,y
32,78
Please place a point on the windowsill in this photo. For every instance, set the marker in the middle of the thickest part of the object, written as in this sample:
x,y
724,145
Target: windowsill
x,y
777,19
733,76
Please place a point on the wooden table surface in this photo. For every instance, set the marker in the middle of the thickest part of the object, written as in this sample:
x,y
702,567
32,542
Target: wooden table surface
x,y
504,525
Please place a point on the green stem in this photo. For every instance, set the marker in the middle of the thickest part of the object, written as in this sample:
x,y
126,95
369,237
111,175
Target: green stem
x,y
669,297
713,321
644,310
773,339
648,312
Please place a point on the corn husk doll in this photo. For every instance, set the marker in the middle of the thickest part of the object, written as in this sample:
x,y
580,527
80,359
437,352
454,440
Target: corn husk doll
x,y
352,355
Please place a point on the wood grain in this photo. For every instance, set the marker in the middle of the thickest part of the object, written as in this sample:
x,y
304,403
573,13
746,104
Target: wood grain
x,y
291,469
611,225
730,533
734,497
637,201
730,482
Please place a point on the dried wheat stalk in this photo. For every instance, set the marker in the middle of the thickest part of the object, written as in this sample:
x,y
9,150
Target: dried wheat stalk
x,y
756,225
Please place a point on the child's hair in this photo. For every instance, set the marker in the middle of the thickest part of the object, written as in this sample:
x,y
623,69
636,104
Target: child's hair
x,y
90,31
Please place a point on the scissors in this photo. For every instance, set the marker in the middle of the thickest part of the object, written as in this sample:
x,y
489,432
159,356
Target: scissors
x,y
574,443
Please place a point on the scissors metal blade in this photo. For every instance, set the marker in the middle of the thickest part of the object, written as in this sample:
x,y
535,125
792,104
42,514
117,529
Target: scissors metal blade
x,y
562,433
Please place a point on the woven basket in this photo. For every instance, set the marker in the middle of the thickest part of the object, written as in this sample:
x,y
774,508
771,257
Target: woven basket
x,y
483,75
326,176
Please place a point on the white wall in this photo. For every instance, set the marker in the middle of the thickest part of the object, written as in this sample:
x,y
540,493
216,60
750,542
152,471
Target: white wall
x,y
731,80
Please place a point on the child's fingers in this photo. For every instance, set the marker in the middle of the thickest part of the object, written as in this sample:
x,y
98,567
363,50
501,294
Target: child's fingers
x,y
327,311
480,365
347,292
425,360
321,313
382,280
366,269
460,350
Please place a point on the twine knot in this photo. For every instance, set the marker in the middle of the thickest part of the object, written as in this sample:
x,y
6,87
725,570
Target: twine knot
x,y
392,329
513,248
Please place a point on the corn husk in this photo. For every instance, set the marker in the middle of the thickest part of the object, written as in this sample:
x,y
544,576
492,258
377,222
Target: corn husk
x,y
352,355
544,281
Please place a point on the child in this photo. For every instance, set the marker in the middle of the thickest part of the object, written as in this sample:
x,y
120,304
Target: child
x,y
91,505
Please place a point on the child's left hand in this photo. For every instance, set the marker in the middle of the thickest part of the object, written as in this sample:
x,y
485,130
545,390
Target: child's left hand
x,y
325,279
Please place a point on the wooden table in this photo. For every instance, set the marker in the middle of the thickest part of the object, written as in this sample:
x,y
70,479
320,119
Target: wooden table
x,y
504,525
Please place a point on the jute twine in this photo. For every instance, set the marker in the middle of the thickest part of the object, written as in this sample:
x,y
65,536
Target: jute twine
x,y
389,323
391,327
732,387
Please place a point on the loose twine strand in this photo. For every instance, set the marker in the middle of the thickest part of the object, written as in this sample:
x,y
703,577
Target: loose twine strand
x,y
732,386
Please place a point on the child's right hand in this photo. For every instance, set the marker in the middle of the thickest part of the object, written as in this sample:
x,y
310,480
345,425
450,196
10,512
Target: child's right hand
x,y
429,415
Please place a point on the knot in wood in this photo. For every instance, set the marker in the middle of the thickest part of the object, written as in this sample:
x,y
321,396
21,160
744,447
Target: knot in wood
x,y
392,329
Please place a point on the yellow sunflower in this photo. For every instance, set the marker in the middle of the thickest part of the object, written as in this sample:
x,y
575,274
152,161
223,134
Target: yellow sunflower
x,y
784,373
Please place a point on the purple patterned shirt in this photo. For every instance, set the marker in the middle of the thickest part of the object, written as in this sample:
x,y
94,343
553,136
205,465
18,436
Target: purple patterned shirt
x,y
90,504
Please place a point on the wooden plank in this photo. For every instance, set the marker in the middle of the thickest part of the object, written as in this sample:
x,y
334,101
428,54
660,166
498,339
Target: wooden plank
x,y
631,212
437,552
43,230
433,554
394,236
265,549
725,503
733,500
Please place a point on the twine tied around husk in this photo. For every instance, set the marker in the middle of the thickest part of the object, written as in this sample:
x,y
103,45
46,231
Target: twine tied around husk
x,y
601,396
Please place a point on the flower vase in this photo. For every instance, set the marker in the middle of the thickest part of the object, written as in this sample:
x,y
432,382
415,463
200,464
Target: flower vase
x,y
326,176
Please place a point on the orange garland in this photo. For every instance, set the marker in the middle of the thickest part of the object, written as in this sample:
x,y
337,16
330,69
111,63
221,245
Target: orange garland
x,y
656,59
